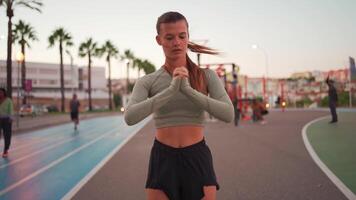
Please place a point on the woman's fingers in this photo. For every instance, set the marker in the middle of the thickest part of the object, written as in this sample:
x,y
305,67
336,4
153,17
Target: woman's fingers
x,y
181,72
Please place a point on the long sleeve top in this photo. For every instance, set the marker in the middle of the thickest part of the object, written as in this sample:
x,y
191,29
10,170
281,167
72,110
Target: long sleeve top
x,y
6,109
174,102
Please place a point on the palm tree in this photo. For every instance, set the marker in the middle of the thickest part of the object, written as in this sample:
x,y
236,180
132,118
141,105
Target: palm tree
x,y
111,51
10,5
129,56
138,63
22,34
89,48
148,67
65,40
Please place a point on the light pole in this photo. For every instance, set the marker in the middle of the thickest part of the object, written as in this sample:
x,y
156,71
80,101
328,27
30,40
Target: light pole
x,y
19,57
127,61
255,46
71,66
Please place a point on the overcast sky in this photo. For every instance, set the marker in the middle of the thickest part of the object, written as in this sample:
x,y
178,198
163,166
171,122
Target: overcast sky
x,y
297,35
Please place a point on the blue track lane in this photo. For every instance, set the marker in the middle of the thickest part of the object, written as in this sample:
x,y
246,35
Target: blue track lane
x,y
47,164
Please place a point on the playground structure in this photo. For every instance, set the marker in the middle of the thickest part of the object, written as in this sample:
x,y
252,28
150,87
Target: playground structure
x,y
242,96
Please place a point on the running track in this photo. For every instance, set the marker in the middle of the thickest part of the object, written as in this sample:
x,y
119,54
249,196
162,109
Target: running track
x,y
49,163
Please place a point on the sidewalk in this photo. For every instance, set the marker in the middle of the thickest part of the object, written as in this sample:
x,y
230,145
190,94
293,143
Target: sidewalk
x,y
33,123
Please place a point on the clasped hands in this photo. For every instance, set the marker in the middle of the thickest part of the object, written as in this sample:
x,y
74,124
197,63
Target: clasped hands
x,y
180,79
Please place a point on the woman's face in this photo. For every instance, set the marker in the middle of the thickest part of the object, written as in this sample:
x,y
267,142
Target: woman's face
x,y
173,37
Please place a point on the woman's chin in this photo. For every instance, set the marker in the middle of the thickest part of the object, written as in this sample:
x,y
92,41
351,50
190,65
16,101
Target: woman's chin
x,y
175,56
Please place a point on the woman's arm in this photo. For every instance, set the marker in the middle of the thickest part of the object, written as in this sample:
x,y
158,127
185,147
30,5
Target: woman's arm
x,y
11,110
217,103
139,107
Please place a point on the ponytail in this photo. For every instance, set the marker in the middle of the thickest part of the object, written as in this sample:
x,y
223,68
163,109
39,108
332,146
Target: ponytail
x,y
197,76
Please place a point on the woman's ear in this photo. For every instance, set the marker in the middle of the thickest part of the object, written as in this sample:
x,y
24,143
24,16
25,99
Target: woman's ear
x,y
158,39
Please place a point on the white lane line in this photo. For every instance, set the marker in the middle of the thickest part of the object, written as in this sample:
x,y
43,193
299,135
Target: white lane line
x,y
86,134
50,137
52,164
36,152
339,184
101,164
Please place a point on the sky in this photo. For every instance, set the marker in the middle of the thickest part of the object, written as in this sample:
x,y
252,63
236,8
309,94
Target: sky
x,y
294,35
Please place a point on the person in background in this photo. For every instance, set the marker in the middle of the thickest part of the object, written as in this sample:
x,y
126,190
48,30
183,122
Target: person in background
x,y
258,110
333,98
237,111
6,118
74,110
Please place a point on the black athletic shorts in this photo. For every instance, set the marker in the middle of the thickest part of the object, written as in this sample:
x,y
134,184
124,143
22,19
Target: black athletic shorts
x,y
74,115
181,173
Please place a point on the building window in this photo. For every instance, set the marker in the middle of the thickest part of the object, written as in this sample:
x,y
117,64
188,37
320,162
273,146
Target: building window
x,y
47,82
48,71
31,71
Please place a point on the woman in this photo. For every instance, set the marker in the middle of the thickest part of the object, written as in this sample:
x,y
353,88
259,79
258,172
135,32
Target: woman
x,y
258,110
6,113
181,165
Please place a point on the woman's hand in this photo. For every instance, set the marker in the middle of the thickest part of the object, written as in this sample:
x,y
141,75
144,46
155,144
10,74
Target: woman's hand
x,y
181,72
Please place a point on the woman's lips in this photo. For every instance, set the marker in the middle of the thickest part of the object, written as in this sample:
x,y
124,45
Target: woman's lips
x,y
177,50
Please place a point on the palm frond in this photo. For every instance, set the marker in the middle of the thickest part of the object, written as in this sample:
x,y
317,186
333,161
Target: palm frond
x,y
23,33
34,5
60,35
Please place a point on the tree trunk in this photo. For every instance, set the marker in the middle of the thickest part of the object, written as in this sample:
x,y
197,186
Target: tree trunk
x,y
23,73
89,82
61,76
9,52
109,85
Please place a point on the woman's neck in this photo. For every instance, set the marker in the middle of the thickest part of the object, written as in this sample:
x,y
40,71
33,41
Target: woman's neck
x,y
172,64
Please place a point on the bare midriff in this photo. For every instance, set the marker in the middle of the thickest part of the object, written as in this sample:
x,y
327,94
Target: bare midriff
x,y
180,136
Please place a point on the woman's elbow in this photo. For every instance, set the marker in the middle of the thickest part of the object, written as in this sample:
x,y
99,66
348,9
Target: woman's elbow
x,y
230,115
129,119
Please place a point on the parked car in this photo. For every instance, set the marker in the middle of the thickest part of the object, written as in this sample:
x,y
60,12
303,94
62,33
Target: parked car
x,y
52,108
31,110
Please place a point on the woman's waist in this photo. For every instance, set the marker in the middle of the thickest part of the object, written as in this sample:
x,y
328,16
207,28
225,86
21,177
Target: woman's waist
x,y
180,136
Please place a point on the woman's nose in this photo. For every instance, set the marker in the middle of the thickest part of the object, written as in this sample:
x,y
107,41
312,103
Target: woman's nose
x,y
176,42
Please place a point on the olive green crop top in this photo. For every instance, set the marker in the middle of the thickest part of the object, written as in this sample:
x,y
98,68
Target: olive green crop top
x,y
174,102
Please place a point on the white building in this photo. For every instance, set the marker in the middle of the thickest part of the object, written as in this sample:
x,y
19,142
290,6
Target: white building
x,y
45,78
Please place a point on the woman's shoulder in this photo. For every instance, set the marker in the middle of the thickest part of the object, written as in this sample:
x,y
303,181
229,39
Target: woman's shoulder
x,y
210,74
149,78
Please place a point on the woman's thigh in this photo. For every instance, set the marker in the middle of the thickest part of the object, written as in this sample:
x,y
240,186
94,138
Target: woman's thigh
x,y
153,194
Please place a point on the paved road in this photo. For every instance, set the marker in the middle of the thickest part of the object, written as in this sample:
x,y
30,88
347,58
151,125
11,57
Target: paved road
x,y
252,162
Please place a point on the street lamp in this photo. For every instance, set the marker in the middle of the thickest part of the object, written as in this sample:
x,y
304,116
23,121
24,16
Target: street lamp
x,y
72,69
255,46
127,61
19,57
